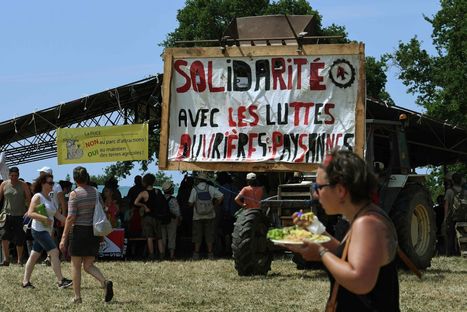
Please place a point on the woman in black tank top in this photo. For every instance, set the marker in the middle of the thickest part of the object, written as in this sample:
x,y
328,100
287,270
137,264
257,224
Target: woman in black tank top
x,y
367,276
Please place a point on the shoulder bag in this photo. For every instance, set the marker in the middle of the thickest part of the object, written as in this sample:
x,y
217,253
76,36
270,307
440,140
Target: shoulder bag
x,y
101,225
332,302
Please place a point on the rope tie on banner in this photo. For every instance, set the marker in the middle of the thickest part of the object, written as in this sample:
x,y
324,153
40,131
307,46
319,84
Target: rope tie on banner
x,y
59,110
44,119
33,120
16,130
85,102
132,92
116,95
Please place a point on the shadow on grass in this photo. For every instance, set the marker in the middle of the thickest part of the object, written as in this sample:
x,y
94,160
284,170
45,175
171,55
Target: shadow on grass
x,y
447,271
303,274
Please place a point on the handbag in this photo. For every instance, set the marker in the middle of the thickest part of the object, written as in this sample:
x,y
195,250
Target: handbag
x,y
27,222
332,302
101,225
3,215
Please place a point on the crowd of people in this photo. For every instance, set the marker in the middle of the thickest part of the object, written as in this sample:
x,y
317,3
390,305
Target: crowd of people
x,y
39,213
55,220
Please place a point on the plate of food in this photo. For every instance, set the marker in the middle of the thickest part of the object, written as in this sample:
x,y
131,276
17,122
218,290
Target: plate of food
x,y
294,235
286,242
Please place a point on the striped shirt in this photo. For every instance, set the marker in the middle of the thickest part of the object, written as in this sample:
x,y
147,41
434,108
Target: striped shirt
x,y
82,206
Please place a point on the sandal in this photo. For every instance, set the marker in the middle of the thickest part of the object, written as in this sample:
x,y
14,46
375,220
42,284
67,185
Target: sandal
x,y
28,285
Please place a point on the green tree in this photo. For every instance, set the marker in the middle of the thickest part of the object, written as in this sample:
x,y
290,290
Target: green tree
x,y
99,179
161,178
208,19
203,19
439,80
376,79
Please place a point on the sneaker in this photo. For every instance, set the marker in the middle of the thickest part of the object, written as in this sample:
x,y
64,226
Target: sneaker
x,y
108,291
210,256
5,263
28,285
47,262
65,283
195,256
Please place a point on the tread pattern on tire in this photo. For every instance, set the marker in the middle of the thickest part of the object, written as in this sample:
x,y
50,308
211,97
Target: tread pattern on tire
x,y
401,215
250,248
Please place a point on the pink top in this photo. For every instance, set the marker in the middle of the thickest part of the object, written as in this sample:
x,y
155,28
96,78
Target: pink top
x,y
252,196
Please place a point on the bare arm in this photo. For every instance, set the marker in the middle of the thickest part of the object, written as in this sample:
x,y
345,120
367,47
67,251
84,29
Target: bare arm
x,y
1,191
238,200
27,194
446,208
368,252
62,203
142,196
59,216
32,211
69,221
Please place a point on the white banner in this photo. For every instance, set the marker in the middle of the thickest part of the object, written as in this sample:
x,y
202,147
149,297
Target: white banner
x,y
262,109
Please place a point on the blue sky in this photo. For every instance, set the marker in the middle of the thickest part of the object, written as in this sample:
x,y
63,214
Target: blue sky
x,y
57,51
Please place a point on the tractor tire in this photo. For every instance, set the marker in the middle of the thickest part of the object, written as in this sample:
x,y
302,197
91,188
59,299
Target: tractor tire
x,y
252,251
414,219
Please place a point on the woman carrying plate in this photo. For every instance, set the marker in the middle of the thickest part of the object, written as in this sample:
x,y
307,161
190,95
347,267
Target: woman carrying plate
x,y
366,276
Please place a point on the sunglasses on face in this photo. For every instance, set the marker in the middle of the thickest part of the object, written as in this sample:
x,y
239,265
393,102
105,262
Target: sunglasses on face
x,y
50,183
317,187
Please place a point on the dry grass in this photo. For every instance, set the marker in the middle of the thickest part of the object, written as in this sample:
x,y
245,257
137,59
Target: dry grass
x,y
215,286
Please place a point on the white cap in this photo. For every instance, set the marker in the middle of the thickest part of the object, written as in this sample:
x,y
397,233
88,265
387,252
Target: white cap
x,y
251,176
45,169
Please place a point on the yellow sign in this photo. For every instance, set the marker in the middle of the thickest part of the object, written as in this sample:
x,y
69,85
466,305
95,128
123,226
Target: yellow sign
x,y
102,144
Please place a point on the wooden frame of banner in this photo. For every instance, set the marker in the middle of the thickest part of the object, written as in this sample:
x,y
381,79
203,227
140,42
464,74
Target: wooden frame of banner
x,y
256,51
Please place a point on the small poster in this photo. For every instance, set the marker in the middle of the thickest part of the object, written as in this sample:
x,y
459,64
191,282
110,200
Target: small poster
x,y
102,144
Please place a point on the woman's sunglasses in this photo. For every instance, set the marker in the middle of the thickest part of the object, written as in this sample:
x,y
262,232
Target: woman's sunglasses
x,y
317,187
50,183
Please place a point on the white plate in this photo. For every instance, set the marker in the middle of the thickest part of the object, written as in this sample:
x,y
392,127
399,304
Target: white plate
x,y
286,242
322,239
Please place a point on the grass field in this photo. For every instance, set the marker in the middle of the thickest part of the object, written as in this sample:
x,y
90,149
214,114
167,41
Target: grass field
x,y
215,286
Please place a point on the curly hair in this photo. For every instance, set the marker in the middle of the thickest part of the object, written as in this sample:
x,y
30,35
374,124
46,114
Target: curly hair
x,y
350,170
41,179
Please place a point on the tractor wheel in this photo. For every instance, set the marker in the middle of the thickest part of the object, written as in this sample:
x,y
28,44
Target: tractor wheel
x,y
414,219
250,248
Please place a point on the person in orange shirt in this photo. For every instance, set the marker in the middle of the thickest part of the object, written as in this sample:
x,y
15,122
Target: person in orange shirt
x,y
250,196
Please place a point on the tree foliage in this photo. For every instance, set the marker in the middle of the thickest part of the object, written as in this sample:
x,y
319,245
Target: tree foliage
x,y
439,80
98,179
208,19
161,177
376,79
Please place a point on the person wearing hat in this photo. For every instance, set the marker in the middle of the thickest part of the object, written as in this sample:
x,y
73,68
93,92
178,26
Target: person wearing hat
x,y
17,196
251,195
203,199
169,231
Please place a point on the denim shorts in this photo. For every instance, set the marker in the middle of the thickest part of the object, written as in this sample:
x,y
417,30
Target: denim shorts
x,y
42,241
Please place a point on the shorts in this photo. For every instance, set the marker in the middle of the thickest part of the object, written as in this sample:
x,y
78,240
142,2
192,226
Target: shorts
x,y
204,228
13,230
42,241
151,227
83,243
